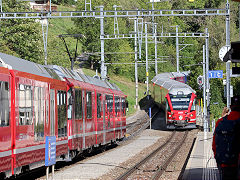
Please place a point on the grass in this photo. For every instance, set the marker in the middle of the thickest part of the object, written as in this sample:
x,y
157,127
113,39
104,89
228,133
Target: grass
x,y
127,87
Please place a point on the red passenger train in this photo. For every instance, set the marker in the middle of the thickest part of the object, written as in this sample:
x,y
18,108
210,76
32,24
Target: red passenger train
x,y
39,101
177,99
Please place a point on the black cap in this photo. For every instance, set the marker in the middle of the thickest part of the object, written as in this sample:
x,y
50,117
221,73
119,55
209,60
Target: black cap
x,y
235,101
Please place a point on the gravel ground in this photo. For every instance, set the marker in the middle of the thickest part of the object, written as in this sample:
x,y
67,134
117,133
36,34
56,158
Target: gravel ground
x,y
114,173
105,163
138,115
174,169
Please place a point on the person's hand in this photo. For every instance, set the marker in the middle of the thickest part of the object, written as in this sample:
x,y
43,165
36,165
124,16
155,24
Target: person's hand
x,y
225,111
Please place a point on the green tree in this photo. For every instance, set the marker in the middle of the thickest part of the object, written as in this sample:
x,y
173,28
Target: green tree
x,y
20,37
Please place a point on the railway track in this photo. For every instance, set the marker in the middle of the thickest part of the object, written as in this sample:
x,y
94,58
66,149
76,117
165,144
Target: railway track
x,y
135,128
154,164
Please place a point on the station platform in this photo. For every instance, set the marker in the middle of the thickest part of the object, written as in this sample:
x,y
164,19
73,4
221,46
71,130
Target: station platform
x,y
201,164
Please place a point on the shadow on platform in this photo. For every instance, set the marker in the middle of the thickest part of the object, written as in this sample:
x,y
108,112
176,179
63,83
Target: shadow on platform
x,y
199,174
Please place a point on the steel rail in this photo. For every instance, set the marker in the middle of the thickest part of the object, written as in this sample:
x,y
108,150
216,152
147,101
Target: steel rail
x,y
160,171
136,166
135,133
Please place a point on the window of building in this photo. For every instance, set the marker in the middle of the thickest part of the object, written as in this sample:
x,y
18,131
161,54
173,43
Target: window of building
x,y
89,105
25,104
4,100
62,114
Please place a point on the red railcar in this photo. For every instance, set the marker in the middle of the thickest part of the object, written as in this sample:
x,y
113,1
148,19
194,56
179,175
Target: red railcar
x,y
39,101
178,100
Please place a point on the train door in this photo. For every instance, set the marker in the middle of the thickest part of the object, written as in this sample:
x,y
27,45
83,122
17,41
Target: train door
x,y
83,118
52,112
89,123
109,118
99,121
78,104
5,123
104,120
71,127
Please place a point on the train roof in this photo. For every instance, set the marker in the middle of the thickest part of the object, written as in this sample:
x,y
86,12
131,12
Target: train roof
x,y
64,72
171,75
50,71
171,85
26,66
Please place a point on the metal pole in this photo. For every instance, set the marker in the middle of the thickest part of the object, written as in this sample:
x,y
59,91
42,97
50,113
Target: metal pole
x,y
205,122
116,29
207,68
150,117
1,5
155,38
228,63
177,48
146,45
103,76
45,35
239,19
153,17
50,6
47,172
136,63
53,171
207,78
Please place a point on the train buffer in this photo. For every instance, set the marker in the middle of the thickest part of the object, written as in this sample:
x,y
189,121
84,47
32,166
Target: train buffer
x,y
201,164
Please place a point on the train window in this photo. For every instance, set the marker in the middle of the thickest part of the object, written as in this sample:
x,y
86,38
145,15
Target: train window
x,y
70,108
109,99
25,104
52,112
39,112
124,106
193,108
180,102
167,105
62,111
117,105
4,100
89,105
99,108
78,104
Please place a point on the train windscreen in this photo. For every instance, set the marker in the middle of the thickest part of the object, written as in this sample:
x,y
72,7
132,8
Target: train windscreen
x,y
180,102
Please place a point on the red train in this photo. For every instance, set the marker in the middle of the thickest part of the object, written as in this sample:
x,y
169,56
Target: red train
x,y
39,101
177,99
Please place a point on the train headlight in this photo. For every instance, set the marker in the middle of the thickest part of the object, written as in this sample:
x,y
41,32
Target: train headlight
x,y
180,117
169,115
191,115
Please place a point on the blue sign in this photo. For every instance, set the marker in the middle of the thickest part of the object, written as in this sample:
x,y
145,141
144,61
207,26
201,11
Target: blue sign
x,y
150,112
50,150
215,74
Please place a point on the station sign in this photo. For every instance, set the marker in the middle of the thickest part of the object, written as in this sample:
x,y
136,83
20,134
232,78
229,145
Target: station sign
x,y
215,74
50,150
